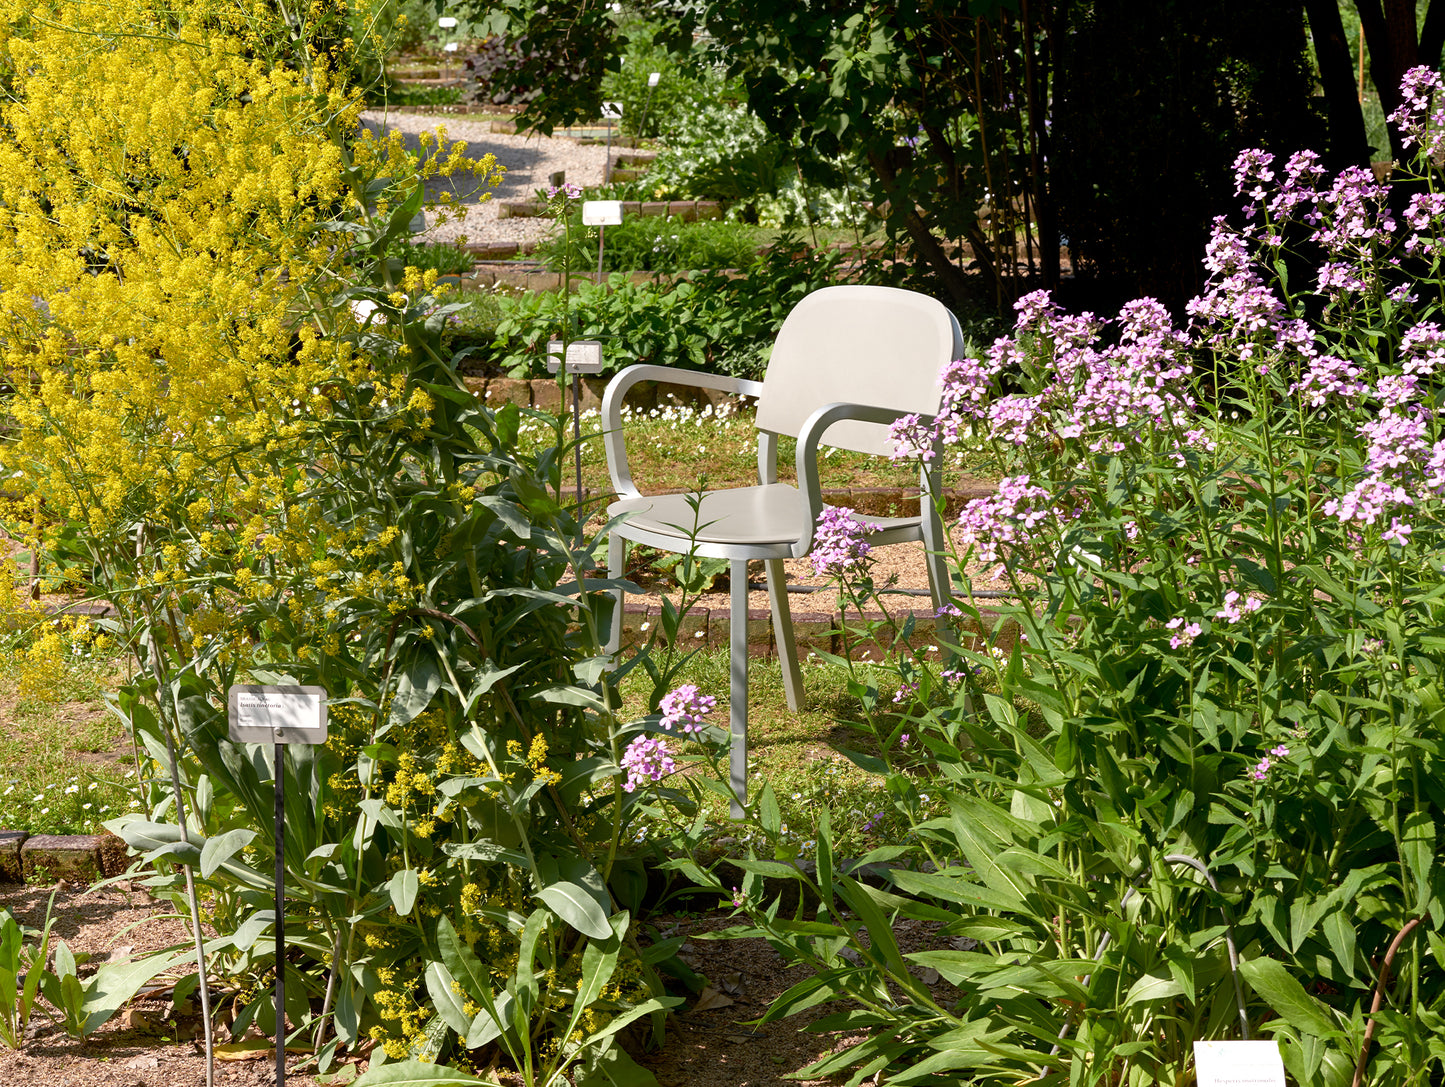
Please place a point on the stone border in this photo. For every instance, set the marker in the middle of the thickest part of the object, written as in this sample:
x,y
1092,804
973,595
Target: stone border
x,y
686,210
76,858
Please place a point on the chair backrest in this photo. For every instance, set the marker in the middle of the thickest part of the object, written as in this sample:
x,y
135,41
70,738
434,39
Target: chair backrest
x,y
859,345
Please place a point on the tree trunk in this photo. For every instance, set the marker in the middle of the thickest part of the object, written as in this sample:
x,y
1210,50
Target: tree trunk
x,y
1349,142
954,281
1394,50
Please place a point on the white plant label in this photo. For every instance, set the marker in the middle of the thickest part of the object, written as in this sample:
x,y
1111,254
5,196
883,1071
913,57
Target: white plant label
x,y
654,78
583,356
446,22
602,213
1238,1064
451,47
612,111
277,715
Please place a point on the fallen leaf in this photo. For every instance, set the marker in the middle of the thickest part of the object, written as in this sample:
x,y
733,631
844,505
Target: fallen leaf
x,y
711,999
732,983
135,1019
142,1062
251,1049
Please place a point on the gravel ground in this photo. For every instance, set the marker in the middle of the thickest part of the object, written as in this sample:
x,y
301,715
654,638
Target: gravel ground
x,y
529,161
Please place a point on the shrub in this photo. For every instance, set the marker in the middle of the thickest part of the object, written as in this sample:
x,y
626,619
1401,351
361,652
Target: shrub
x,y
653,243
709,320
1217,728
243,410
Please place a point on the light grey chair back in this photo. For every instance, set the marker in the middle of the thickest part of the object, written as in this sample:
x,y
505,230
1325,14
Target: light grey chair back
x,y
858,345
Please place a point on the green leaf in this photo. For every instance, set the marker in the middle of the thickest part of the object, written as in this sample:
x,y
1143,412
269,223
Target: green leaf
x,y
1287,996
414,1074
114,984
1417,847
446,1000
612,1067
217,851
575,905
415,688
403,888
1153,987
462,962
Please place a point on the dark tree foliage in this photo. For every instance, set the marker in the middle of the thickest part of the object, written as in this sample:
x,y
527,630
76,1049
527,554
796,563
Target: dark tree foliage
x,y
1010,125
1151,104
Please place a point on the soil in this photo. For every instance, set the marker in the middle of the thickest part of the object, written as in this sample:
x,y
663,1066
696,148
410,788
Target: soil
x,y
710,1041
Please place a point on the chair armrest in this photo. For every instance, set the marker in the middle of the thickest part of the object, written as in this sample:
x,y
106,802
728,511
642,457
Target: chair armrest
x,y
809,438
612,439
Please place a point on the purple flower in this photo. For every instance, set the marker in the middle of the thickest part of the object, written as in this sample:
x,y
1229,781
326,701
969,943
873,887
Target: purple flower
x,y
1186,632
905,691
686,707
1261,769
647,759
946,609
1006,517
1236,607
568,191
1417,121
839,546
1397,533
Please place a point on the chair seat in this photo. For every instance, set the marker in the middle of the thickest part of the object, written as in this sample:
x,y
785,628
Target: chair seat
x,y
765,516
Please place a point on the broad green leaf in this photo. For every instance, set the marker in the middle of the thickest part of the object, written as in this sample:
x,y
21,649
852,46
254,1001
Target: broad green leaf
x,y
1272,981
218,850
1417,847
612,1067
403,889
1153,987
114,984
575,905
445,998
415,1074
462,962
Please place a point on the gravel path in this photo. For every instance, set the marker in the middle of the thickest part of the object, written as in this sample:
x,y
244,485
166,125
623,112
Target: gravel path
x,y
529,161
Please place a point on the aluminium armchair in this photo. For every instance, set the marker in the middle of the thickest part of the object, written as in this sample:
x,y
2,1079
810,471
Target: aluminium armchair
x,y
848,361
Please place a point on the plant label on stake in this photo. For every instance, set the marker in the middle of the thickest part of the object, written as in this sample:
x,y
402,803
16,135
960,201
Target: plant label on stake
x,y
583,357
1238,1064
279,715
601,214
611,111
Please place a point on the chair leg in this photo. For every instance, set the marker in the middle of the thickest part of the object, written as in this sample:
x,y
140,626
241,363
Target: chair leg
x,y
783,633
616,568
936,543
738,688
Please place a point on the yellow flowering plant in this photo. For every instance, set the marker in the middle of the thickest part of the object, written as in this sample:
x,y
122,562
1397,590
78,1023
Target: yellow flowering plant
x,y
224,394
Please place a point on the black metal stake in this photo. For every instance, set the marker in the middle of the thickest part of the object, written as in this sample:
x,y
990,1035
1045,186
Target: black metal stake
x,y
577,430
280,917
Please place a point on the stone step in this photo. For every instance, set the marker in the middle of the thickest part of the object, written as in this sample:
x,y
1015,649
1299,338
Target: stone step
x,y
635,158
686,210
623,176
45,858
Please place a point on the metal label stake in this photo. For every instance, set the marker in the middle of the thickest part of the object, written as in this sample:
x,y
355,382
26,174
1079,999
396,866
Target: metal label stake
x,y
583,357
278,715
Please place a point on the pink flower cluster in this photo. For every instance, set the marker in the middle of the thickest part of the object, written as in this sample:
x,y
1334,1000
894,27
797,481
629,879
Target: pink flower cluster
x,y
1184,632
686,708
1236,607
839,543
1006,517
646,760
1261,768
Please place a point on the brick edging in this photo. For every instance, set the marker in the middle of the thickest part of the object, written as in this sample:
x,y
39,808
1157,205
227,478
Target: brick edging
x,y
77,858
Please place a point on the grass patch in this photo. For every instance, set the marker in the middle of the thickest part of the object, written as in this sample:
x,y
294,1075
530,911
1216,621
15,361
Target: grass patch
x,y
66,765
802,754
674,448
